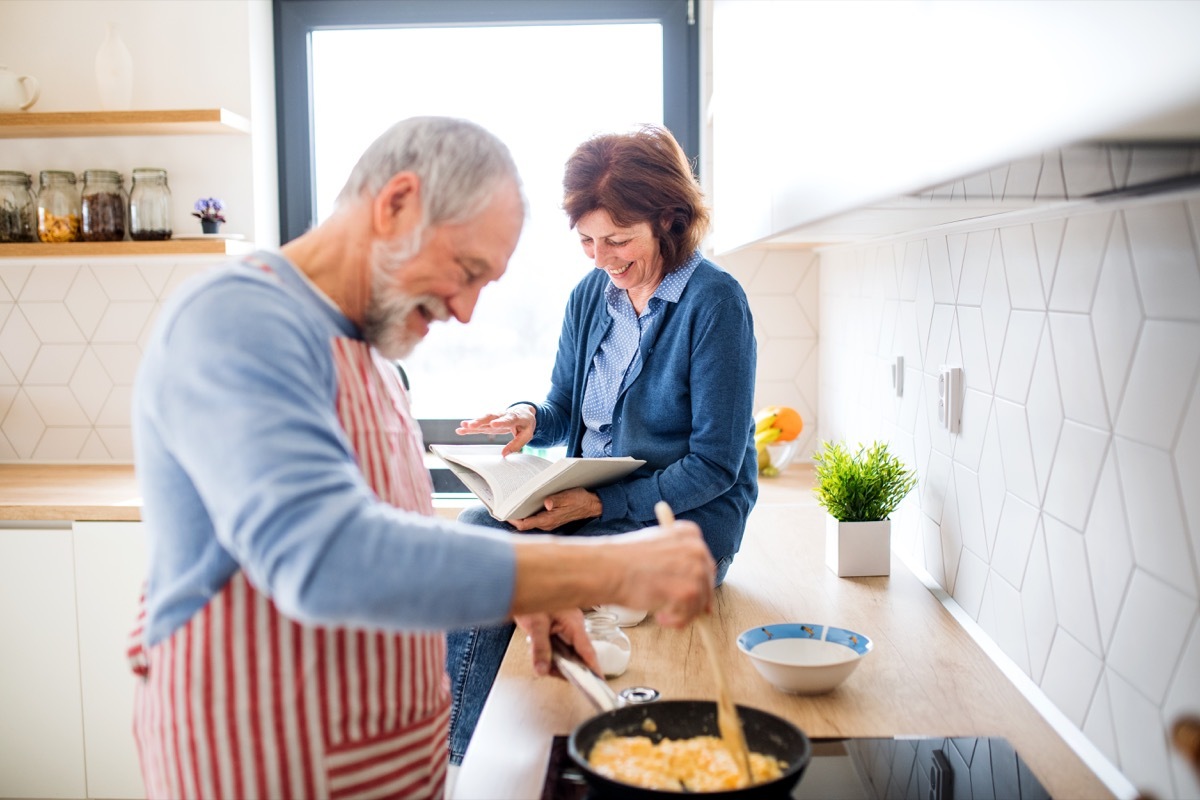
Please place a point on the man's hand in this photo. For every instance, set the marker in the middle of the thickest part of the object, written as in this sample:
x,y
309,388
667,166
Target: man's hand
x,y
560,509
671,571
566,624
520,421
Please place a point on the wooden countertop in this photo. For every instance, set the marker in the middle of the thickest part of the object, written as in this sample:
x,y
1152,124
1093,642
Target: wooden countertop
x,y
69,492
925,677
92,492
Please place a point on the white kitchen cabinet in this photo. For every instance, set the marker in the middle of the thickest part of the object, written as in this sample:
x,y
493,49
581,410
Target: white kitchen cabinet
x,y
819,108
41,728
68,597
110,566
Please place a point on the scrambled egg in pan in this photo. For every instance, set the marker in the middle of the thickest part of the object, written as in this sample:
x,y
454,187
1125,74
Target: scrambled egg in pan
x,y
698,764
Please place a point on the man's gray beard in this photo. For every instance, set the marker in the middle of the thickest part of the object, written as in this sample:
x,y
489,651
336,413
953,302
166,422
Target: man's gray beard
x,y
385,321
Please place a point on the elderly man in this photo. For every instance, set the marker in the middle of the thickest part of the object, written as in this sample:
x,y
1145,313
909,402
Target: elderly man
x,y
298,582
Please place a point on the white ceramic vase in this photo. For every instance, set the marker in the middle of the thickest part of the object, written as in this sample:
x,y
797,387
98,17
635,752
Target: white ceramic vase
x,y
114,72
858,549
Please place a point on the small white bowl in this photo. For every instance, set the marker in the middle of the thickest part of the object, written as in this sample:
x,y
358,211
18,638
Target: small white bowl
x,y
802,657
626,617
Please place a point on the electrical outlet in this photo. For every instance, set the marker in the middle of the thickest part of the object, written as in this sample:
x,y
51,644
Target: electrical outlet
x,y
941,777
898,376
949,397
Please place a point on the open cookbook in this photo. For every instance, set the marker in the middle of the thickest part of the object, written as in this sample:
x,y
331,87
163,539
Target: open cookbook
x,y
514,487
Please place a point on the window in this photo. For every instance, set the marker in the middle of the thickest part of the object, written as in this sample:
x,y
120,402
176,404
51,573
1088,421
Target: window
x,y
541,74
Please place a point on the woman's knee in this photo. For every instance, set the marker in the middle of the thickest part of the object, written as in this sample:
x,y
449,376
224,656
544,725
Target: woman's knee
x,y
479,515
722,568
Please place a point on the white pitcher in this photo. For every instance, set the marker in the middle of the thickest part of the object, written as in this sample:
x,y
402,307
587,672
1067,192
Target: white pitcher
x,y
17,92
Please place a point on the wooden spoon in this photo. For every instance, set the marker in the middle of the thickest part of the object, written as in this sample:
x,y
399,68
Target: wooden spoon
x,y
728,722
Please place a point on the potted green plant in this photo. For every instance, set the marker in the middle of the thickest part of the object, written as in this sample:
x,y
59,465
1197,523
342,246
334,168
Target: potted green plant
x,y
859,491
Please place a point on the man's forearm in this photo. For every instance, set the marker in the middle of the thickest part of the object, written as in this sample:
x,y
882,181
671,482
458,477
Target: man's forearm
x,y
667,570
555,572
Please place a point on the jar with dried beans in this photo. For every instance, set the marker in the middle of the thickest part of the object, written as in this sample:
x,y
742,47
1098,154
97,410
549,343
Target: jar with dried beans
x,y
103,206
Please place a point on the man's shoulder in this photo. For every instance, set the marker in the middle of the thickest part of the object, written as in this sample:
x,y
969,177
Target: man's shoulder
x,y
231,281
233,300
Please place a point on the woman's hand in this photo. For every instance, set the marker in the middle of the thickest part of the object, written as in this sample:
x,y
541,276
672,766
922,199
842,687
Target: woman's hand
x,y
519,421
561,508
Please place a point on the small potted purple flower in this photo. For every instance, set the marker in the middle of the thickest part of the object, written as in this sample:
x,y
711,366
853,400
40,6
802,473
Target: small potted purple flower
x,y
209,209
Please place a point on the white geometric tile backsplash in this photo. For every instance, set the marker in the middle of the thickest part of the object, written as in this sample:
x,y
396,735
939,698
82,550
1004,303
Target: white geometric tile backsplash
x,y
782,286
71,334
1068,521
70,342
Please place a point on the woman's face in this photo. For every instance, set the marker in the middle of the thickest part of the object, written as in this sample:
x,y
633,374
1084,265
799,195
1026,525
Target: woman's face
x,y
630,255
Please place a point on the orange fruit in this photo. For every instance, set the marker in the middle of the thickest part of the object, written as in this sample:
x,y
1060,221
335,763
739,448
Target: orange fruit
x,y
789,423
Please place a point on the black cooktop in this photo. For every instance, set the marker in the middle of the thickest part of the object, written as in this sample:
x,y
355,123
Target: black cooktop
x,y
874,769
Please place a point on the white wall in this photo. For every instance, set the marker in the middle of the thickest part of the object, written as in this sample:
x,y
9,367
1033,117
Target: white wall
x,y
186,54
71,329
1065,518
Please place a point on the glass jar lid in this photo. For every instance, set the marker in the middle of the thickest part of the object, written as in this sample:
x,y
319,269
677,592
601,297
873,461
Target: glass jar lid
x,y
48,175
599,620
101,175
12,176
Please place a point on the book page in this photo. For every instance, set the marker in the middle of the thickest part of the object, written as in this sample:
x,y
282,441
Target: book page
x,y
514,487
566,473
491,477
506,475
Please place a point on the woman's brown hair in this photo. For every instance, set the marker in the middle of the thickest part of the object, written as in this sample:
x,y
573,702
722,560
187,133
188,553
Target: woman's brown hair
x,y
642,176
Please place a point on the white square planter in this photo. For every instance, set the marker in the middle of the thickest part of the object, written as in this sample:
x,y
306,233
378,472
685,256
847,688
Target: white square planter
x,y
858,548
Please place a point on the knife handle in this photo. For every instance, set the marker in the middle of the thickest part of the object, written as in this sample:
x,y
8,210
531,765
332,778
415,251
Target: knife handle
x,y
580,675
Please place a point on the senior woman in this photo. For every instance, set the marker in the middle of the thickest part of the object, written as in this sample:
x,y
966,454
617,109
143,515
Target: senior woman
x,y
655,360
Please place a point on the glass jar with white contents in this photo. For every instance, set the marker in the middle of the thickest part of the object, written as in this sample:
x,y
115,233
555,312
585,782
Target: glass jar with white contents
x,y
610,642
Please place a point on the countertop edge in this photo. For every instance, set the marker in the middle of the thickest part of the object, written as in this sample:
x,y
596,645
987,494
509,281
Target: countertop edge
x,y
101,513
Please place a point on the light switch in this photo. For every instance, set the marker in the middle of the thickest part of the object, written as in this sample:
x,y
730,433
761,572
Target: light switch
x,y
898,376
949,397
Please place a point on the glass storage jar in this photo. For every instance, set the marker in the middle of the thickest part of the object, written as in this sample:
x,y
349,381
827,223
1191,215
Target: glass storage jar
x,y
18,212
57,207
102,206
150,205
610,642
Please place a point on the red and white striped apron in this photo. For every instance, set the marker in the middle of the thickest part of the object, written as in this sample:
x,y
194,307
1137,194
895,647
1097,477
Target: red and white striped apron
x,y
242,702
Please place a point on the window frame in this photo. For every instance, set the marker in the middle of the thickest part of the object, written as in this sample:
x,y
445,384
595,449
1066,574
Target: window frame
x,y
296,20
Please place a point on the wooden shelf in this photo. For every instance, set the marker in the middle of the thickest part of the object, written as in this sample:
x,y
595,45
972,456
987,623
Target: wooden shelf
x,y
27,125
170,247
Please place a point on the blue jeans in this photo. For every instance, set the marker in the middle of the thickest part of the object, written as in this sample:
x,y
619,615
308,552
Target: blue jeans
x,y
473,655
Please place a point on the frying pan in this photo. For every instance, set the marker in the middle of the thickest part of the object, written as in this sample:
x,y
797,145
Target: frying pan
x,y
674,719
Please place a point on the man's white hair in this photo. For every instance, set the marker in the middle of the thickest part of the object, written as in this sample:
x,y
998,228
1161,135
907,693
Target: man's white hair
x,y
459,163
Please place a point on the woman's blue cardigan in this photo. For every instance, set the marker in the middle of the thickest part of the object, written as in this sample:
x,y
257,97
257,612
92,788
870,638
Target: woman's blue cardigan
x,y
688,411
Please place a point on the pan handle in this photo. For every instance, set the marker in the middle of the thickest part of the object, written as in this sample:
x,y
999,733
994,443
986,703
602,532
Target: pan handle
x,y
580,675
